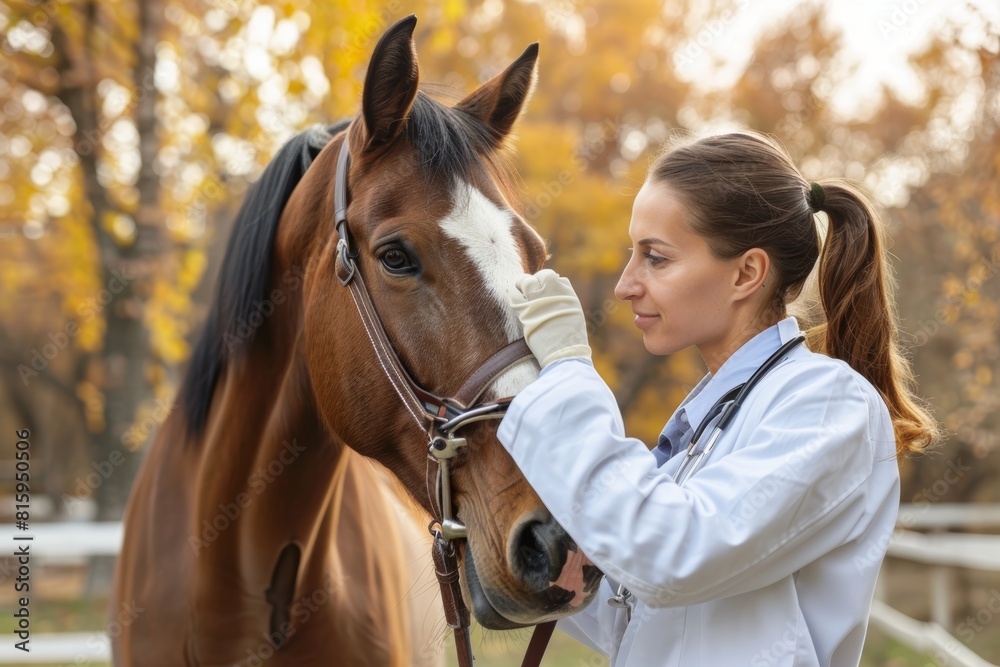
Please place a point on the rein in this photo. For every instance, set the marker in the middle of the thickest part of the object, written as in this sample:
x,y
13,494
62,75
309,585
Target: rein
x,y
440,418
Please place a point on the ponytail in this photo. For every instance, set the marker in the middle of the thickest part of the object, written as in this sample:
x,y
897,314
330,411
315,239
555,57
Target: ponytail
x,y
855,290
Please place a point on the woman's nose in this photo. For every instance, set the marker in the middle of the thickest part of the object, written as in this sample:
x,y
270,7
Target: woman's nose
x,y
628,287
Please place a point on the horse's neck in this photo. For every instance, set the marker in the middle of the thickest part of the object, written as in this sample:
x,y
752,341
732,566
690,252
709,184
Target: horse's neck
x,y
266,471
314,526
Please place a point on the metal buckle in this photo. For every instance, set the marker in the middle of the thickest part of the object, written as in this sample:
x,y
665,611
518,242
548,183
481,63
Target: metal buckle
x,y
621,601
444,449
451,529
437,533
345,265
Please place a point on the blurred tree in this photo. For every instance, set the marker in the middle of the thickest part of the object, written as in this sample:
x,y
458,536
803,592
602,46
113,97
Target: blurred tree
x,y
948,247
81,68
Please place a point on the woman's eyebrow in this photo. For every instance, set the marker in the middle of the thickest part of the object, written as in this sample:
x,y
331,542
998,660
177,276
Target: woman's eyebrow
x,y
656,242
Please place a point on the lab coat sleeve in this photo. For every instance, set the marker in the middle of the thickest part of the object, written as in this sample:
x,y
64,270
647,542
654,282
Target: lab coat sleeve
x,y
790,491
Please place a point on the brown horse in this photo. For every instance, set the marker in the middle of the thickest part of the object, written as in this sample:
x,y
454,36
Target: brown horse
x,y
263,526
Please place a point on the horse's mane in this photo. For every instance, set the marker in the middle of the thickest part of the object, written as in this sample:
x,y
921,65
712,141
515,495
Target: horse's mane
x,y
449,144
246,270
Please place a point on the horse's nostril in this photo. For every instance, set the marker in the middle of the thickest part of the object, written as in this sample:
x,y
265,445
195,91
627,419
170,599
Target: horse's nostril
x,y
539,552
532,551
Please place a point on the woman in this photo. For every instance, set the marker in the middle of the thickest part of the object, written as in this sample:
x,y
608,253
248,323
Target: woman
x,y
764,550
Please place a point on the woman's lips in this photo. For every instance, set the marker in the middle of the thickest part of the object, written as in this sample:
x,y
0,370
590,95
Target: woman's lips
x,y
645,321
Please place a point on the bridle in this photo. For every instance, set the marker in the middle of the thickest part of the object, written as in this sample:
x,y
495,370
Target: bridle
x,y
441,418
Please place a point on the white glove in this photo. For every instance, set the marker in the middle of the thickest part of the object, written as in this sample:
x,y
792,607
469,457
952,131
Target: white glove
x,y
554,325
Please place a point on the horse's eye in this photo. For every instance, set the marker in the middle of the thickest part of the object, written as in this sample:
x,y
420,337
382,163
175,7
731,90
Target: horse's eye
x,y
396,260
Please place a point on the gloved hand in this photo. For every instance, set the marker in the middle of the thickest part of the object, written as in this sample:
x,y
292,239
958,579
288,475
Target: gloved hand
x,y
554,325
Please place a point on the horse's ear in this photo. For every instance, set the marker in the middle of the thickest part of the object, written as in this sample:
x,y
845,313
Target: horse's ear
x,y
499,101
390,84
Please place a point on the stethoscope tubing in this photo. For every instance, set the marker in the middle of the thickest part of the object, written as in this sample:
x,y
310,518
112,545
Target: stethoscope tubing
x,y
726,408
694,459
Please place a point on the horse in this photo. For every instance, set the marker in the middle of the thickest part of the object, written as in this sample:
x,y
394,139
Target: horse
x,y
281,512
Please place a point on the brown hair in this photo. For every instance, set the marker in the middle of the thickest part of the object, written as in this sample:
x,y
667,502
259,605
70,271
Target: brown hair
x,y
744,192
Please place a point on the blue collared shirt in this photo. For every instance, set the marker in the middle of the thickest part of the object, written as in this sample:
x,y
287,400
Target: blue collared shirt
x,y
737,369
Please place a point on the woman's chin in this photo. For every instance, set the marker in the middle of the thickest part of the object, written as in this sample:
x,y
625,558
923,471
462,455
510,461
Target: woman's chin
x,y
656,345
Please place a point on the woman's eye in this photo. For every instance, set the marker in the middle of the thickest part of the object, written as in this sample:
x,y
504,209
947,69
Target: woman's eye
x,y
395,260
654,259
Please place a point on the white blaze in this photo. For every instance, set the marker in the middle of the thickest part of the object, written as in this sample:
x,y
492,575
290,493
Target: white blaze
x,y
484,230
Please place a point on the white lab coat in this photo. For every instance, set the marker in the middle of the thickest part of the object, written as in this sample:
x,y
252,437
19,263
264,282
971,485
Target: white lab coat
x,y
767,555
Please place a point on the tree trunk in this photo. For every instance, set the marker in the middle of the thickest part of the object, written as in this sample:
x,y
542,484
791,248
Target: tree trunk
x,y
127,269
126,342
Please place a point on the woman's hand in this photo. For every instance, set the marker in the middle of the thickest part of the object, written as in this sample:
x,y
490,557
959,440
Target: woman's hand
x,y
554,325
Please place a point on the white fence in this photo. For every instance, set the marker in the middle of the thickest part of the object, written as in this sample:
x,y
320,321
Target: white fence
x,y
62,542
941,551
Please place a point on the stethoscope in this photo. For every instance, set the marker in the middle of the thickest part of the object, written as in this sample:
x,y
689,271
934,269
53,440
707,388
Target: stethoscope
x,y
725,409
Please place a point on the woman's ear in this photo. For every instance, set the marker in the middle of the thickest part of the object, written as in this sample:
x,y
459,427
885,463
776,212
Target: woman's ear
x,y
752,269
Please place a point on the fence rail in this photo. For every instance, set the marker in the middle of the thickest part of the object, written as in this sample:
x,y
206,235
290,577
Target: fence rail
x,y
940,550
56,541
927,637
925,516
975,552
63,648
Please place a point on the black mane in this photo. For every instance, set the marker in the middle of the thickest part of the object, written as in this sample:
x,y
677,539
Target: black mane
x,y
449,144
246,270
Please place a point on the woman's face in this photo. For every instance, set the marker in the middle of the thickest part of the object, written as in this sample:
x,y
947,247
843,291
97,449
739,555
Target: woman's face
x,y
680,292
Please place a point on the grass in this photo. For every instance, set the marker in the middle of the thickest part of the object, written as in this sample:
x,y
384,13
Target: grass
x,y
501,649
